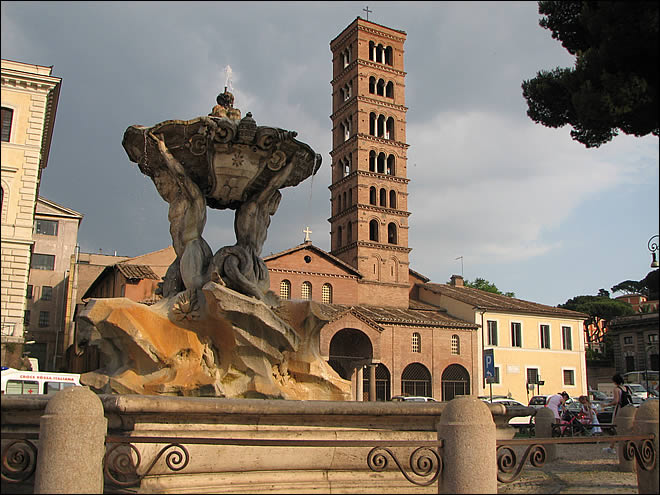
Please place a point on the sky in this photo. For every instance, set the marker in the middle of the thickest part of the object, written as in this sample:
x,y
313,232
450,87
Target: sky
x,y
525,206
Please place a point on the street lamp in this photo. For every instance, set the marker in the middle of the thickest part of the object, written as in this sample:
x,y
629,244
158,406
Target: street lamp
x,y
653,247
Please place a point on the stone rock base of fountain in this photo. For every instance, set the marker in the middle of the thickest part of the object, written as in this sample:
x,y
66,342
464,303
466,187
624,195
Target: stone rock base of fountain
x,y
209,342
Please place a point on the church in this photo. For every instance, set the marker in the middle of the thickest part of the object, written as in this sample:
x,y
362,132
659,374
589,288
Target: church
x,y
380,337
393,332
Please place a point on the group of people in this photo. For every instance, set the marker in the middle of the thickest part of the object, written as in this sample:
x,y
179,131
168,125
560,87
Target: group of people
x,y
588,414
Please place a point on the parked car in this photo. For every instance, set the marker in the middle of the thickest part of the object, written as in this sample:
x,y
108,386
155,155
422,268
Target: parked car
x,y
538,401
408,398
638,390
520,422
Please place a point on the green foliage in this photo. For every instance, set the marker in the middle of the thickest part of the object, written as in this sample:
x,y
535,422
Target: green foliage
x,y
485,285
598,307
649,286
614,83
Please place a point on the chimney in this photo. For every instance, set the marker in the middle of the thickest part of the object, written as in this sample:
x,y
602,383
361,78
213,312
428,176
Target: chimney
x,y
456,281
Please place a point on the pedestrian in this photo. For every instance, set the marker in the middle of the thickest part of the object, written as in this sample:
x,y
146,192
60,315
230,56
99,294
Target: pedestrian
x,y
590,415
556,403
617,395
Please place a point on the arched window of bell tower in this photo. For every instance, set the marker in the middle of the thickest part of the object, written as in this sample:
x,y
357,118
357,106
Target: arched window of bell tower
x,y
389,90
372,124
372,51
388,55
372,195
383,197
380,54
390,165
372,161
373,230
380,88
381,163
391,233
372,85
392,198
381,127
389,133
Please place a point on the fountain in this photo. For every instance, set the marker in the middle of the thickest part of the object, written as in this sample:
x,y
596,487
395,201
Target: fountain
x,y
218,330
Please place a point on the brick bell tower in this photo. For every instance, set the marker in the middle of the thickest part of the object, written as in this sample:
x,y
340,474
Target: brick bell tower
x,y
369,190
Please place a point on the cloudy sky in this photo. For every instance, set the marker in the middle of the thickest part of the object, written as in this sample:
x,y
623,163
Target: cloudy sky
x,y
525,206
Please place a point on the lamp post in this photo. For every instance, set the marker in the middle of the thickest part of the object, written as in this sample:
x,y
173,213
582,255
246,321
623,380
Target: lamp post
x,y
653,247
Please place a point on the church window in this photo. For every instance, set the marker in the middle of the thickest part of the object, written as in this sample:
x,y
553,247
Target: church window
x,y
326,293
416,342
380,88
390,165
373,230
392,199
455,345
391,233
372,195
372,51
388,55
347,167
381,163
383,197
349,232
389,90
380,131
7,117
306,290
372,85
345,203
372,161
372,124
389,134
380,54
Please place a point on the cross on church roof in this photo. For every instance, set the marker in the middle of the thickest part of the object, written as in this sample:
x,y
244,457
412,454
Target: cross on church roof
x,y
367,11
307,231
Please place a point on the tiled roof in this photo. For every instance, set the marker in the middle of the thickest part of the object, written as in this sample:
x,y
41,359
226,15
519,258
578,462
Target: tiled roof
x,y
310,246
498,302
136,271
418,275
436,317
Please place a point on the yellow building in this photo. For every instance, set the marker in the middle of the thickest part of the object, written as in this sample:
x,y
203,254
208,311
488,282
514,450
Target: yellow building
x,y
537,349
29,102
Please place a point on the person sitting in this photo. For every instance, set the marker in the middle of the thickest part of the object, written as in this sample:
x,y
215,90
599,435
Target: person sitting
x,y
588,412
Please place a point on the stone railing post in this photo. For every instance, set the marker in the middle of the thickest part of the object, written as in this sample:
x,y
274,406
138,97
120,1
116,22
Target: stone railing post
x,y
646,422
71,443
544,421
469,451
624,426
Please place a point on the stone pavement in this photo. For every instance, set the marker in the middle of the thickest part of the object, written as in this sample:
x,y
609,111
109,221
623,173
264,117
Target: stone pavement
x,y
580,468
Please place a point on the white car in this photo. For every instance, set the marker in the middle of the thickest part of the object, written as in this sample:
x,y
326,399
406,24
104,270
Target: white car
x,y
407,398
518,421
637,390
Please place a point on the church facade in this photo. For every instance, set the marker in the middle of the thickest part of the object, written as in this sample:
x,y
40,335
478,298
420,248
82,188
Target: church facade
x,y
392,332
378,337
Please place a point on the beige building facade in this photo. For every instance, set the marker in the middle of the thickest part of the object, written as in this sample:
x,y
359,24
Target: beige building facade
x,y
30,95
48,292
537,349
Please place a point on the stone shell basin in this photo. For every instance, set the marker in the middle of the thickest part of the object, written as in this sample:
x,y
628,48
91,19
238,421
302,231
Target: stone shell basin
x,y
228,159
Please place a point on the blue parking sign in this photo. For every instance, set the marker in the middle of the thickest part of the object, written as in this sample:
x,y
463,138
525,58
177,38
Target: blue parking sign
x,y
489,364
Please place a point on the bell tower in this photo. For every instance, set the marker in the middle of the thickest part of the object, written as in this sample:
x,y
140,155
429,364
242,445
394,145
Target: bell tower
x,y
369,190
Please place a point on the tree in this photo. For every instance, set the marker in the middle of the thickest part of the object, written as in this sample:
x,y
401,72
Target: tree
x,y
483,284
601,309
598,307
649,286
614,83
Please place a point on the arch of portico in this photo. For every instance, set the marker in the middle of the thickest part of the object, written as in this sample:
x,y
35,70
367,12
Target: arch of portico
x,y
351,345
